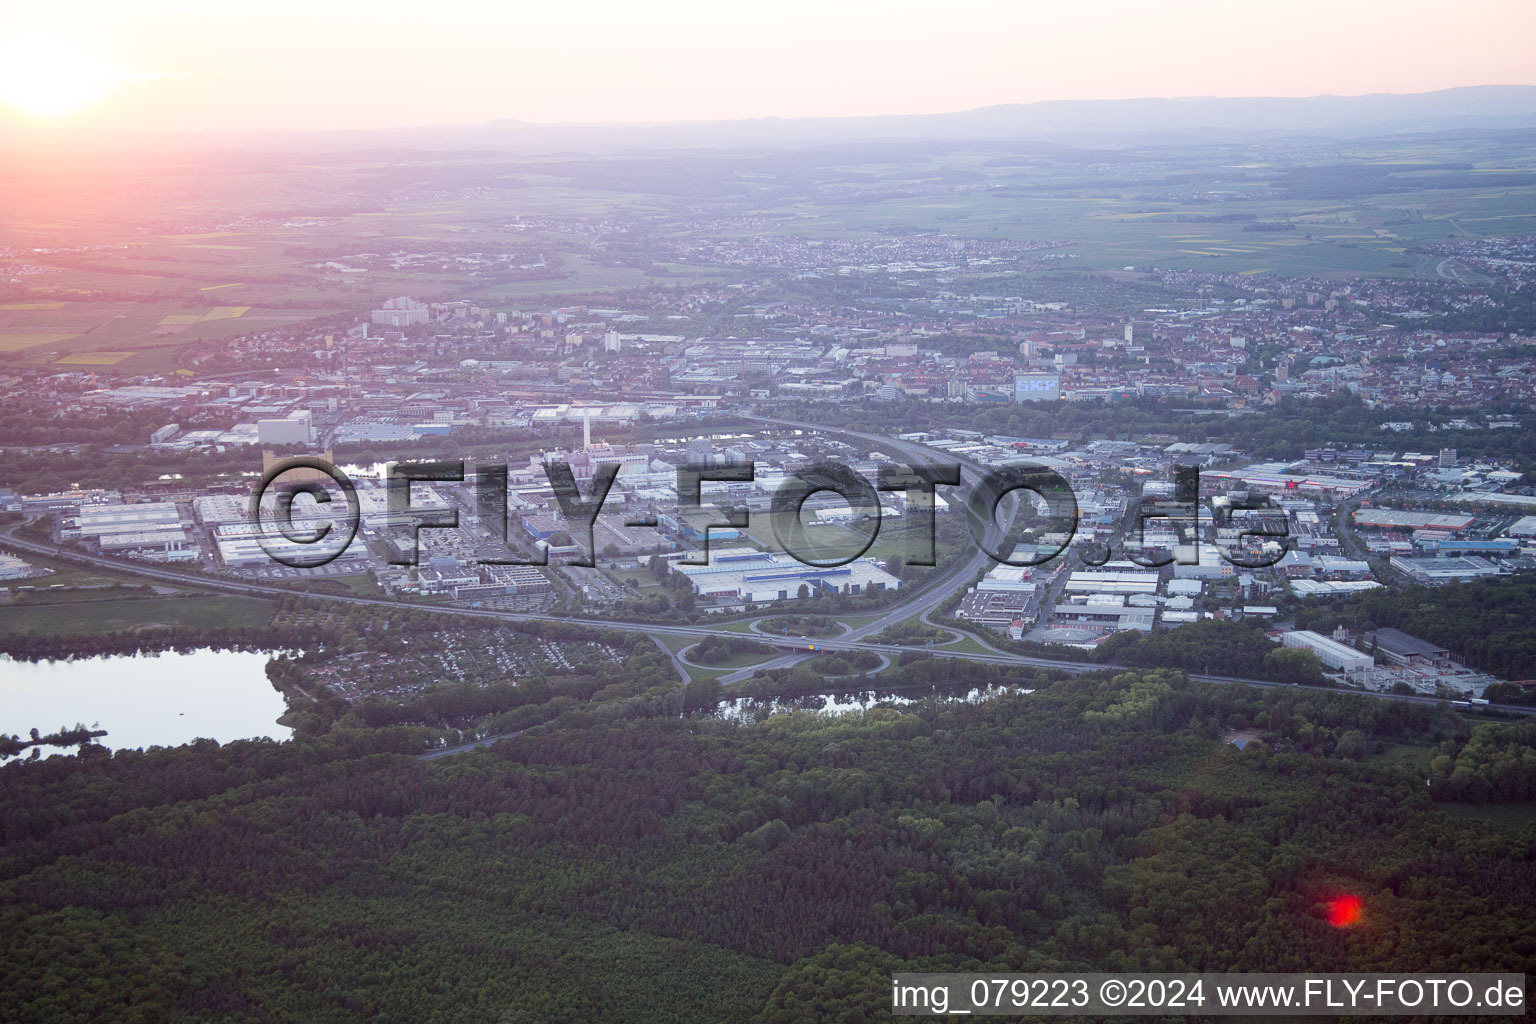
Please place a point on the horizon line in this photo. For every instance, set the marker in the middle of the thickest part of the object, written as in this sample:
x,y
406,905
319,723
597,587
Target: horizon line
x,y
41,128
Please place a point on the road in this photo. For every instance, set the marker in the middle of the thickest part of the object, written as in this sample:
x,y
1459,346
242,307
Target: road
x,y
846,642
934,591
461,748
1453,269
921,602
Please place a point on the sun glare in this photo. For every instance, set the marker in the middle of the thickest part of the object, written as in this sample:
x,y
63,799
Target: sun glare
x,y
47,78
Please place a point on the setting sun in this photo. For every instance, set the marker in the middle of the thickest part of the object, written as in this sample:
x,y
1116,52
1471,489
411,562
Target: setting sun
x,y
46,78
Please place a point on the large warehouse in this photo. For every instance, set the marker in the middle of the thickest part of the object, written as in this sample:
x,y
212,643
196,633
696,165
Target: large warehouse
x,y
1333,654
1095,582
152,528
1397,519
1444,570
241,545
747,574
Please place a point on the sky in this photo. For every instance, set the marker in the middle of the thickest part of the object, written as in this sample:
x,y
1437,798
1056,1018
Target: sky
x,y
203,65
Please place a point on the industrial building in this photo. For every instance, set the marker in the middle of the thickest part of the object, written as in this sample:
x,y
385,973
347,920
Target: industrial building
x,y
1096,582
1108,613
240,544
212,509
1397,519
94,521
1004,594
1272,479
1444,570
1525,526
491,581
1036,387
747,574
296,428
1330,588
1405,649
152,528
1331,653
1205,562
13,568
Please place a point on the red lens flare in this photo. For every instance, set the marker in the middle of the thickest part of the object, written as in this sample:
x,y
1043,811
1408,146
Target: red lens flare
x,y
1345,911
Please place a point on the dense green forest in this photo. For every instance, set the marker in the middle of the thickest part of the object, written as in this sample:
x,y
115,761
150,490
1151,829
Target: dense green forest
x,y
1211,646
1217,647
1495,765
665,867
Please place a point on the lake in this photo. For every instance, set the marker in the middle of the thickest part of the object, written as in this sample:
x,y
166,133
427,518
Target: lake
x,y
144,700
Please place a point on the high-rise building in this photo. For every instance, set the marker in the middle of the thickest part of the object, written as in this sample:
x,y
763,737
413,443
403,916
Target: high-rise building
x,y
401,312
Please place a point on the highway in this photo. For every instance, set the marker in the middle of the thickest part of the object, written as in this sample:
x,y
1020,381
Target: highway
x,y
934,592
921,602
847,642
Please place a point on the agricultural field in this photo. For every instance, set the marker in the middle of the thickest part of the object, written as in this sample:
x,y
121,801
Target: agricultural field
x,y
100,284
125,336
94,617
1145,228
176,255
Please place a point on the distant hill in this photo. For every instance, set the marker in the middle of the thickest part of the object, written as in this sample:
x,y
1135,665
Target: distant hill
x,y
1075,122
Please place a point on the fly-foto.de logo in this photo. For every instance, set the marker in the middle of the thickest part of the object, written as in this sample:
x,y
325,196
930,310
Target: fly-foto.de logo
x,y
321,532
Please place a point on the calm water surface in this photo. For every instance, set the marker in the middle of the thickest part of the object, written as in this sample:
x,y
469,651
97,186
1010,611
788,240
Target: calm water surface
x,y
144,700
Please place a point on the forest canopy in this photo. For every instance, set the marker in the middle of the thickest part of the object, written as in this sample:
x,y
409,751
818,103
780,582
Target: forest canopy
x,y
775,872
